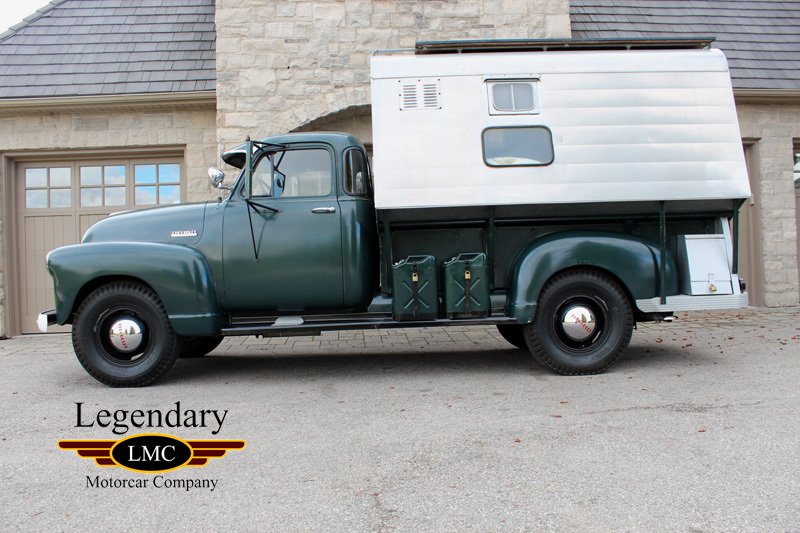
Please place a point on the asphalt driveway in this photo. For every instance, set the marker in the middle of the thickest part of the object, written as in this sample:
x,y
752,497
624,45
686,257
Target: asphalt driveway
x,y
695,429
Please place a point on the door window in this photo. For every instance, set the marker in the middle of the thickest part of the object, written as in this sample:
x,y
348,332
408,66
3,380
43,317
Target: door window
x,y
298,173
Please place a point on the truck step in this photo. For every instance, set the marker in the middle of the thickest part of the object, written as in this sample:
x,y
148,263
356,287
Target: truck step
x,y
314,325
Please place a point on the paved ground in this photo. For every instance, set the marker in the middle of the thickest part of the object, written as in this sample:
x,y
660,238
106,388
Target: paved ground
x,y
696,429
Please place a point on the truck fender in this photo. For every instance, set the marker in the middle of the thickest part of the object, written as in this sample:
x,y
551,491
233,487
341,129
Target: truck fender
x,y
633,261
179,275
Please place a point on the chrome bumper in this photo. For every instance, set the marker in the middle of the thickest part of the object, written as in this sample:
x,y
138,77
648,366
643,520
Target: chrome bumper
x,y
45,319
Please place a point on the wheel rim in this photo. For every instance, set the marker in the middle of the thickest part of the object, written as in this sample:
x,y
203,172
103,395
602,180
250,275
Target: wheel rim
x,y
123,335
580,323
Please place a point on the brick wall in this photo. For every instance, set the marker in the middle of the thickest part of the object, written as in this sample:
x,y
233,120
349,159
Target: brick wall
x,y
297,61
775,126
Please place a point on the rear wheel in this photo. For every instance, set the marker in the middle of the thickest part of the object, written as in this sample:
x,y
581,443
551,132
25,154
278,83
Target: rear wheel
x,y
514,334
122,335
583,323
192,347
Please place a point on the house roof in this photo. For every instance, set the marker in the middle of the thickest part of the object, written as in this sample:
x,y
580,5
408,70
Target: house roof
x,y
761,39
110,47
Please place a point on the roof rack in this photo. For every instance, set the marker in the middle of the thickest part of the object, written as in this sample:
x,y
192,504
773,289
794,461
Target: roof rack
x,y
548,45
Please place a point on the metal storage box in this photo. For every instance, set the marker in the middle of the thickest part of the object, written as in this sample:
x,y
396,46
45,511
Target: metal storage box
x,y
704,265
416,291
466,286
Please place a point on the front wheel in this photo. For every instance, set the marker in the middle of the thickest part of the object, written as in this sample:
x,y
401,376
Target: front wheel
x,y
122,335
583,323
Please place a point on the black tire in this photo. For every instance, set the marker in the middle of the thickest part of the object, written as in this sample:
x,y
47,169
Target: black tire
x,y
193,347
514,334
562,338
145,357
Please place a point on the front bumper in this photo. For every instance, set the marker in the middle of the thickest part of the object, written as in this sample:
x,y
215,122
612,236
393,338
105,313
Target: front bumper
x,y
45,319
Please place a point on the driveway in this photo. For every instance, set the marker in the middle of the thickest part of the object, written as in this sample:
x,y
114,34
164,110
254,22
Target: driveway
x,y
695,429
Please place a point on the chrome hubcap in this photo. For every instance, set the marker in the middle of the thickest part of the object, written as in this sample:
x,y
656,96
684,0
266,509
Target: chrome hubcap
x,y
126,335
578,323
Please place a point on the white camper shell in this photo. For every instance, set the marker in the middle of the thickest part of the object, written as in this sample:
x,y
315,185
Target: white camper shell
x,y
593,126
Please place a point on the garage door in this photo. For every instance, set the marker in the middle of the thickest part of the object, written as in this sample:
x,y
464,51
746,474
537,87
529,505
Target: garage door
x,y
58,201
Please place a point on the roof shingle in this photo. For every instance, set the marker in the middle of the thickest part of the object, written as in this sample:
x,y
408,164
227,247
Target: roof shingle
x,y
110,47
761,39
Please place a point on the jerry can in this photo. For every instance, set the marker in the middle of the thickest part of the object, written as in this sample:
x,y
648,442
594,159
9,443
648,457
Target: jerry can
x,y
466,286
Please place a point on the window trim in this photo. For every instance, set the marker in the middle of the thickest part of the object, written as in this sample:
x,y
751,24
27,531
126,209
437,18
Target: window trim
x,y
368,177
240,185
533,81
527,126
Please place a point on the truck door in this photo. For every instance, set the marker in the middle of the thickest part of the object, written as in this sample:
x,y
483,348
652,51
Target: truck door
x,y
291,261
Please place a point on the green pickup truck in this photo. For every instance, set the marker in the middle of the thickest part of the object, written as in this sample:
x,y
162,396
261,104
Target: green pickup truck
x,y
513,218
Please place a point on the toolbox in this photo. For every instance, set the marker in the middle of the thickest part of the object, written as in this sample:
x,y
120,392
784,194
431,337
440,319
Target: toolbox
x,y
416,291
466,286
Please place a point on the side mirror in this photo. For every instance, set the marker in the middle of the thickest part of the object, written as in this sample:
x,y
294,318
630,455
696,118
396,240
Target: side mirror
x,y
216,177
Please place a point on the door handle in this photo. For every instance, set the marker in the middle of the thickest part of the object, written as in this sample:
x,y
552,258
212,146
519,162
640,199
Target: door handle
x,y
319,210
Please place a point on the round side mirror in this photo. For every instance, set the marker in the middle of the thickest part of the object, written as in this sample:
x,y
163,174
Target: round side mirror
x,y
216,176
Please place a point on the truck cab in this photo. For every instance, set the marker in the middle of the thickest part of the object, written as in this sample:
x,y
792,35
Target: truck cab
x,y
299,229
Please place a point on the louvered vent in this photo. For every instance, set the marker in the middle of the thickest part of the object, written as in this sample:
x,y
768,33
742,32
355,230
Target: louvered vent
x,y
420,94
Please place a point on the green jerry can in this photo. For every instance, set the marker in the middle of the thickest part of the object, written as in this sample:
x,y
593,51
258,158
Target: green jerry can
x,y
466,286
416,291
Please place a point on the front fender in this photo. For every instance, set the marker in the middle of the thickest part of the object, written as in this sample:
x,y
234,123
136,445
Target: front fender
x,y
179,275
633,261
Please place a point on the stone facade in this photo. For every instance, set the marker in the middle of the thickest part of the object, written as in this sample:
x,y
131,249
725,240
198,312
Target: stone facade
x,y
775,127
104,130
281,65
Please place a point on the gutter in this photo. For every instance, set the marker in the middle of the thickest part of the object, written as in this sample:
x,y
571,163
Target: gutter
x,y
766,96
199,99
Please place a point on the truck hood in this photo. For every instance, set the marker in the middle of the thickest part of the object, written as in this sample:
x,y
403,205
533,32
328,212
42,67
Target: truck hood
x,y
179,224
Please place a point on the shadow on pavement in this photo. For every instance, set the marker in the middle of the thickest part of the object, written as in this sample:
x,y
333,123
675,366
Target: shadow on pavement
x,y
225,366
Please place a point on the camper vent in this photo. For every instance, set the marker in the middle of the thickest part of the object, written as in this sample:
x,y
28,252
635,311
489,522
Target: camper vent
x,y
420,94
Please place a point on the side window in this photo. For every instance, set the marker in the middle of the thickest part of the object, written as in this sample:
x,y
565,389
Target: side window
x,y
512,97
355,181
517,146
297,173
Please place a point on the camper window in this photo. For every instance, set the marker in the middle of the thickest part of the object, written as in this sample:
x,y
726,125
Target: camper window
x,y
512,97
517,146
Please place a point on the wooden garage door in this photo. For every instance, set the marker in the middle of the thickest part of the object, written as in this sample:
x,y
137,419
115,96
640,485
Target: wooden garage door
x,y
58,201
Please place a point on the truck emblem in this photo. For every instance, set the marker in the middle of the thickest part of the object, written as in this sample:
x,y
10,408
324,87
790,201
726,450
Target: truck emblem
x,y
184,233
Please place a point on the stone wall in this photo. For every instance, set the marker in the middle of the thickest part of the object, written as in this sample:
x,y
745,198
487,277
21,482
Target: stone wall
x,y
104,130
775,127
281,65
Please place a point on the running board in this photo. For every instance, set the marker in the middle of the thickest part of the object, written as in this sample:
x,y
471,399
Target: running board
x,y
296,325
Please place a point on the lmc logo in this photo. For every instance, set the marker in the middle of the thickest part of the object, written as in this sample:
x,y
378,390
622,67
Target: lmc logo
x,y
151,453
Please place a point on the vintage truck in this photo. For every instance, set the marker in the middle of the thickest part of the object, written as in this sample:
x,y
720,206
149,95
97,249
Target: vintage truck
x,y
560,190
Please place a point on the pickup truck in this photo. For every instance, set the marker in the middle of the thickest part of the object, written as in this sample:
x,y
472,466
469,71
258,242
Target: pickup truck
x,y
562,196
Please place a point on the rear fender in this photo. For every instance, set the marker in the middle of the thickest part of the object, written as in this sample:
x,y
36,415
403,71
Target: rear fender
x,y
634,262
179,275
